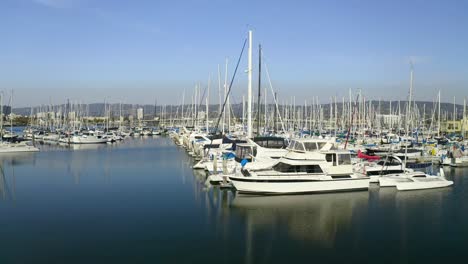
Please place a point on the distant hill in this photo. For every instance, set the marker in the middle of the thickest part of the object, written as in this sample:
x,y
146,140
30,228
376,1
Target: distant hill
x,y
98,109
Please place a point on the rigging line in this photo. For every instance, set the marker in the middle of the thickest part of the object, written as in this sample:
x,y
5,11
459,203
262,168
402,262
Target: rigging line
x,y
274,97
230,87
203,96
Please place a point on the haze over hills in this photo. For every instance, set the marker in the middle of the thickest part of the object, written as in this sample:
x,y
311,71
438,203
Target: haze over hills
x,y
150,111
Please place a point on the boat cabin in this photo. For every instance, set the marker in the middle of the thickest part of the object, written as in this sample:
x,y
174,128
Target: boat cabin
x,y
309,145
245,151
338,158
339,163
271,142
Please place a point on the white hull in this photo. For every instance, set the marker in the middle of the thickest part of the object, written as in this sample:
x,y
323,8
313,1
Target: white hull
x,y
15,148
459,162
416,185
391,181
306,185
414,181
87,140
51,138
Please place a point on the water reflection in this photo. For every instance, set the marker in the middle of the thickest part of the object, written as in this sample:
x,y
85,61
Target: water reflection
x,y
16,159
402,199
7,185
140,193
200,176
8,162
310,217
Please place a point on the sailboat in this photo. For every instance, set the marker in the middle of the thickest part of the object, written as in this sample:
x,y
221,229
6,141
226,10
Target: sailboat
x,y
10,146
415,180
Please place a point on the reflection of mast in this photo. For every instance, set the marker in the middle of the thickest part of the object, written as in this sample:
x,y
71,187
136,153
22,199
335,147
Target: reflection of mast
x,y
2,183
13,193
4,190
248,241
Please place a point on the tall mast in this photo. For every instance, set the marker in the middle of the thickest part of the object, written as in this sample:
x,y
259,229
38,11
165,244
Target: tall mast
x,y
11,113
219,89
265,112
349,111
390,115
274,116
408,114
225,93
463,119
207,120
207,105
438,119
243,114
249,88
182,110
454,112
120,115
259,86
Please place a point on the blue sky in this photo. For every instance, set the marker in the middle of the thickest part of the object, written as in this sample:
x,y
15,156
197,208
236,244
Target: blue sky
x,y
136,51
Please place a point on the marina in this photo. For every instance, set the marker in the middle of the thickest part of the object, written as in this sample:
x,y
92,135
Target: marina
x,y
106,202
217,183
269,182
233,132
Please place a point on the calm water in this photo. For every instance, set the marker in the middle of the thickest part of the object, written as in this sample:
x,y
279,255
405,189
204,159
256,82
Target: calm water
x,y
140,202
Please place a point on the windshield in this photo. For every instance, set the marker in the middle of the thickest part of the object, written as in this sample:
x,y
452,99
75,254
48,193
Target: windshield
x,y
321,144
299,146
310,146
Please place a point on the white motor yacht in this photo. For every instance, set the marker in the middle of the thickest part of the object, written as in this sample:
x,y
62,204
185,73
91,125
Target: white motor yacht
x,y
7,147
306,168
87,138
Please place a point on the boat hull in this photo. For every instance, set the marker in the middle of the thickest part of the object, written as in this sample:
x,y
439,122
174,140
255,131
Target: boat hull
x,y
408,186
297,186
16,149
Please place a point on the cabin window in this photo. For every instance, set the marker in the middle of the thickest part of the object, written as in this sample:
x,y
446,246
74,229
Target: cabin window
x,y
310,146
341,176
321,144
383,172
331,158
311,169
291,144
286,168
275,143
238,152
389,162
345,159
282,167
299,146
245,152
262,143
